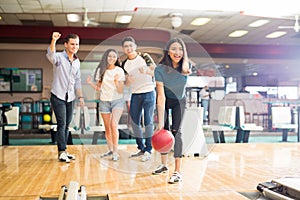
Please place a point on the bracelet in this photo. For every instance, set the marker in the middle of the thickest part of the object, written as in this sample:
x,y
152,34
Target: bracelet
x,y
80,97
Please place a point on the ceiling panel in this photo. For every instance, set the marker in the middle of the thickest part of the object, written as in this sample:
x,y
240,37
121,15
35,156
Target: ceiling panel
x,y
155,13
151,14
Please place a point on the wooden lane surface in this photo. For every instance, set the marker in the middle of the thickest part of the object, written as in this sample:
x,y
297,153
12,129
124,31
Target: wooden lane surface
x,y
224,195
21,198
29,171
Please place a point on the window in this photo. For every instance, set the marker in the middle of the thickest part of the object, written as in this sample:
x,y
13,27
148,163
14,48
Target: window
x,y
21,80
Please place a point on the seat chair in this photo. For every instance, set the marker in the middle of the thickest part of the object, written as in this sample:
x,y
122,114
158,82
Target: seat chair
x,y
260,114
12,119
239,102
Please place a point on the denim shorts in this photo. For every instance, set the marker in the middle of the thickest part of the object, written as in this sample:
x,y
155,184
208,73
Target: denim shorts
x,y
108,106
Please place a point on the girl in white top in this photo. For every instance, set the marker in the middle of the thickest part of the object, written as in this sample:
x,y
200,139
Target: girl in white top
x,y
110,79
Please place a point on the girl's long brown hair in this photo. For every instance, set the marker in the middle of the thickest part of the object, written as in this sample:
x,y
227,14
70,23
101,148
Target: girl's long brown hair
x,y
102,66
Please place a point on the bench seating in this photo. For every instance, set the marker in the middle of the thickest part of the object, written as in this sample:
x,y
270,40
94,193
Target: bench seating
x,y
243,129
247,126
281,120
232,118
12,123
226,122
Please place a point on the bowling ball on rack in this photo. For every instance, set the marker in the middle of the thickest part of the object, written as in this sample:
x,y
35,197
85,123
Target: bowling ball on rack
x,y
47,118
47,108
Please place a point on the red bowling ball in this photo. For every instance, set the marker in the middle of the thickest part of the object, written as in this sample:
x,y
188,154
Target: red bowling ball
x,y
163,141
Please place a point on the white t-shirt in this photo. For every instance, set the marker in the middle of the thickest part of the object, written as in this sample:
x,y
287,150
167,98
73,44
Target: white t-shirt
x,y
108,90
141,82
204,94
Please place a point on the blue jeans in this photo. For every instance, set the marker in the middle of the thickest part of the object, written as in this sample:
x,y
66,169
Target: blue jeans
x,y
138,103
63,112
205,104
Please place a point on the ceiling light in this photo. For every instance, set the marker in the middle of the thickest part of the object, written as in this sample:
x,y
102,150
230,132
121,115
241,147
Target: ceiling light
x,y
176,20
123,19
254,74
73,18
276,34
259,23
238,33
200,21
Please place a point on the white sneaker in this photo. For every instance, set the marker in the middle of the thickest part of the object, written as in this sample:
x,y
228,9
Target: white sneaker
x,y
70,156
175,178
63,157
115,157
146,156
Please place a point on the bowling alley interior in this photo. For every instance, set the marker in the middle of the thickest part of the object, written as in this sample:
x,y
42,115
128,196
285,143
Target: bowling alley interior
x,y
240,130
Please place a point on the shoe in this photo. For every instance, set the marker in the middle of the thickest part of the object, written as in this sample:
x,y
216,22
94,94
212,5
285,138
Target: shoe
x,y
70,156
137,154
146,156
106,154
115,157
161,169
175,178
63,157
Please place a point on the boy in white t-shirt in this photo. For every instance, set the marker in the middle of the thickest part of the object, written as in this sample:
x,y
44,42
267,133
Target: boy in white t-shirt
x,y
140,72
